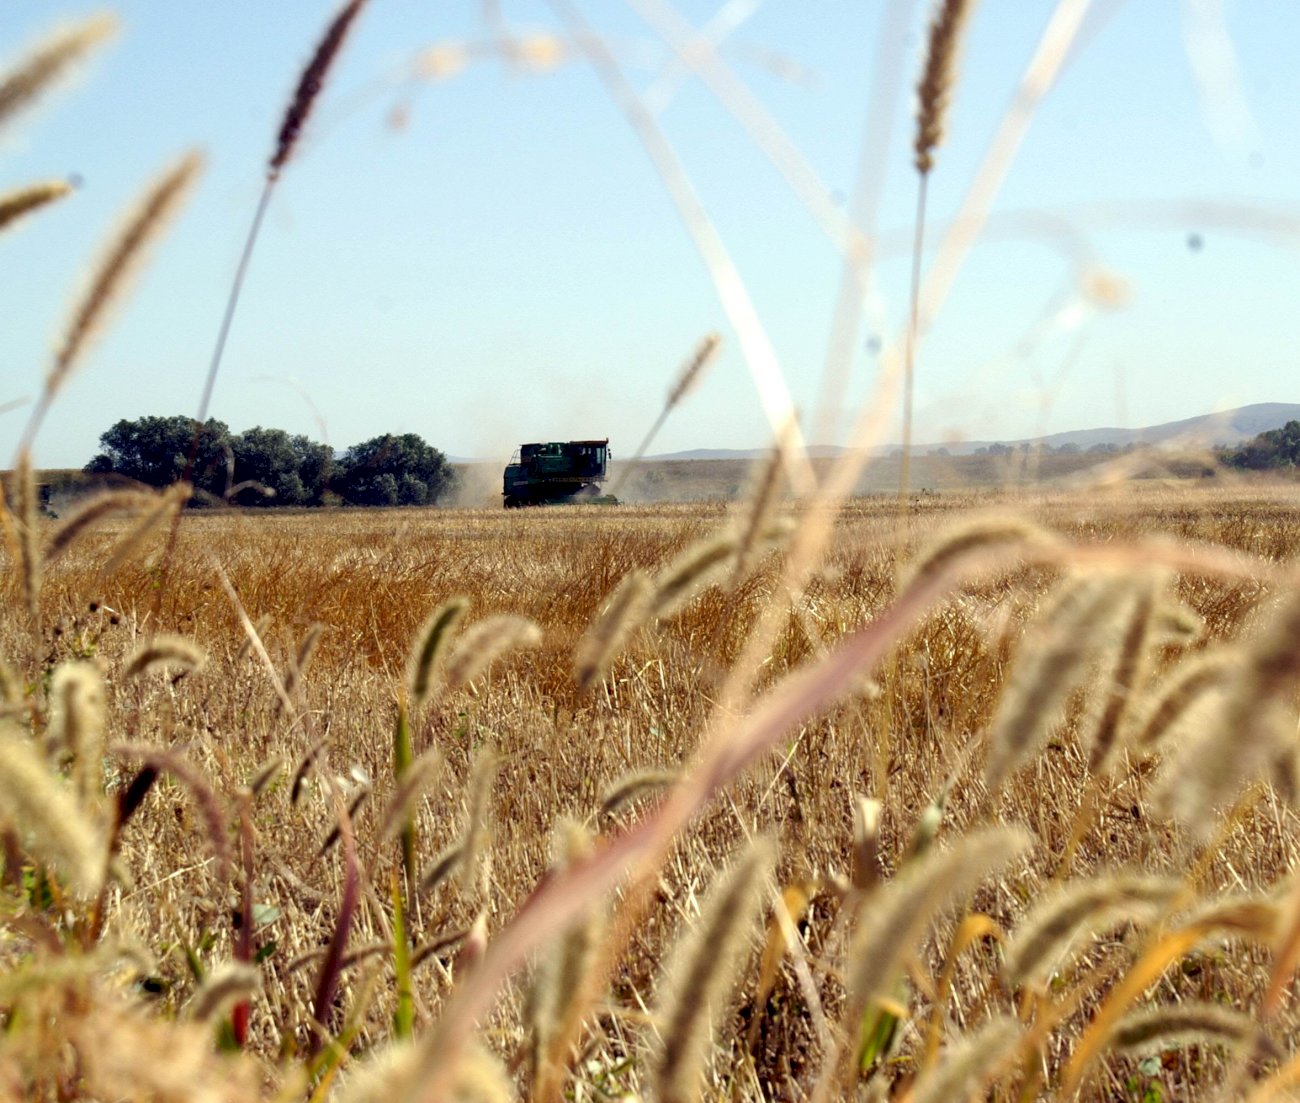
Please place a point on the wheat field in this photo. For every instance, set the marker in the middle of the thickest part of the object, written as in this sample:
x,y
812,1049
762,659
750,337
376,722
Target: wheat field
x,y
518,758
808,794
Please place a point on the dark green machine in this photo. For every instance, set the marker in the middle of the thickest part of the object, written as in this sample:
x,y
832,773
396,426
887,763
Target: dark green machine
x,y
560,471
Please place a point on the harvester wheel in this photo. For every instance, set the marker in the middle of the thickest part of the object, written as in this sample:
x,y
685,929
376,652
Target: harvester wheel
x,y
512,502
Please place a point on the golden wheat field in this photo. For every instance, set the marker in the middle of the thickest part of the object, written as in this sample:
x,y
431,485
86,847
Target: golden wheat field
x,y
986,787
939,887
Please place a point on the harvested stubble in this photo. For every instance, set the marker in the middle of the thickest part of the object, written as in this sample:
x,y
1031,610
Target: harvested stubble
x,y
371,577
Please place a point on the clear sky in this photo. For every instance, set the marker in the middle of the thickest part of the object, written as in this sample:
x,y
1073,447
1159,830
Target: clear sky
x,y
489,257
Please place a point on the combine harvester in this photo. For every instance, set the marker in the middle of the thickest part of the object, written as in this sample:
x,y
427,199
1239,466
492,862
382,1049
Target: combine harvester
x,y
568,471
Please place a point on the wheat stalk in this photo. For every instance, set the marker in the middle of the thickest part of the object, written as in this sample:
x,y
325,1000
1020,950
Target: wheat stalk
x,y
90,512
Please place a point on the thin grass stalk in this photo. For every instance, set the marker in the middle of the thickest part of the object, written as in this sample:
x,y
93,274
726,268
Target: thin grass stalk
x,y
910,341
760,354
327,980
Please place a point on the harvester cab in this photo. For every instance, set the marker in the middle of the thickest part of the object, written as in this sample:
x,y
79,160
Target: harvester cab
x,y
559,471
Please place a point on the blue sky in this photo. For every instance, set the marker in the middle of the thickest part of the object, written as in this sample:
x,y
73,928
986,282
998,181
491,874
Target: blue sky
x,y
506,265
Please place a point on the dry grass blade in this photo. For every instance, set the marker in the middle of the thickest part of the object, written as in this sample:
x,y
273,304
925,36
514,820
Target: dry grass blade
x,y
702,972
182,770
1092,905
483,643
77,726
164,652
310,84
423,666
45,813
1053,660
222,989
109,278
45,64
968,1064
1153,1029
894,919
935,87
92,511
610,630
15,204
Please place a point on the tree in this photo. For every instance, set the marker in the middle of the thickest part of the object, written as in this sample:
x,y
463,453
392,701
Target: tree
x,y
1275,448
294,468
155,450
394,470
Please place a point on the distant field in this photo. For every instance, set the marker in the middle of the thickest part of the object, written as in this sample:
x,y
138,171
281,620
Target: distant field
x,y
728,480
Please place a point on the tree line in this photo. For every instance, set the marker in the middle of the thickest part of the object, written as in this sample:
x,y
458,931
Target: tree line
x,y
269,467
1272,450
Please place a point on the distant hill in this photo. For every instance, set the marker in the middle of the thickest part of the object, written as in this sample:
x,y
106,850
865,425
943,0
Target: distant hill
x,y
1227,427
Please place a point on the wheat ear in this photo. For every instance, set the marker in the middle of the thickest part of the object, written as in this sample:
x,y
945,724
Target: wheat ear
x,y
25,532
45,64
633,786
474,869
1082,906
698,567
110,277
702,971
164,651
486,641
562,976
221,989
1152,1029
760,515
1128,667
608,632
46,813
77,728
934,91
1053,660
90,513
310,84
423,667
968,1064
961,540
894,918
15,204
